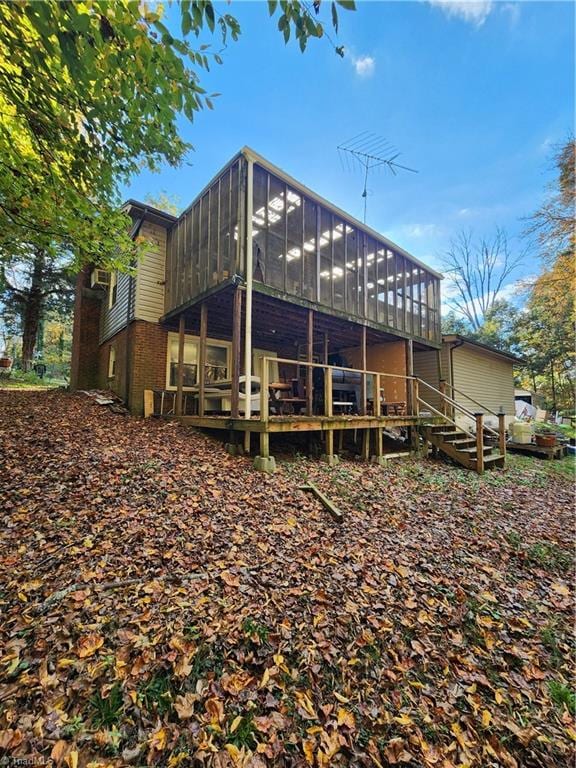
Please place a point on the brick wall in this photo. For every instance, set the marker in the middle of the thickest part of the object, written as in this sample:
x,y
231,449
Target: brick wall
x,y
148,361
116,383
141,355
84,365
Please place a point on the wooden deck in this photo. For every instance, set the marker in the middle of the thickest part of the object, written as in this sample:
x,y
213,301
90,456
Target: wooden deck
x,y
305,423
552,452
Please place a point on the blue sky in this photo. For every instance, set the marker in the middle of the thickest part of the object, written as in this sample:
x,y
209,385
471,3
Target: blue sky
x,y
473,94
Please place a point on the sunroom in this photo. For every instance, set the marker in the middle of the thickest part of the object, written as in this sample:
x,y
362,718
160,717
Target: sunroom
x,y
297,315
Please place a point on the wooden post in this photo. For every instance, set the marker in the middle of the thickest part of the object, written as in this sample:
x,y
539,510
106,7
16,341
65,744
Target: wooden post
x,y
379,448
479,442
264,389
236,333
180,370
148,403
330,442
309,359
365,445
325,360
264,445
328,399
363,407
409,372
439,363
502,434
442,388
247,442
377,402
202,358
415,396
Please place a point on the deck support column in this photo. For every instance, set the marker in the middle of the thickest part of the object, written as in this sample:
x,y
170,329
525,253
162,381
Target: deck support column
x,y
236,332
330,457
264,462
410,405
378,457
180,369
443,404
202,358
365,444
249,274
409,373
363,407
502,434
479,442
309,359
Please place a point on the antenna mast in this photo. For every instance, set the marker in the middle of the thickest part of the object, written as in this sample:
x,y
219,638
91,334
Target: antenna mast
x,y
369,152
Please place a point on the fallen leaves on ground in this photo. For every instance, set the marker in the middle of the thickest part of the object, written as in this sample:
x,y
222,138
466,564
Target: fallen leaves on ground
x,y
164,604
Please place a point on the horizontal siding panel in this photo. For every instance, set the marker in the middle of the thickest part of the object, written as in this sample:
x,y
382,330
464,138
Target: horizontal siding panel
x,y
485,377
113,319
151,275
426,368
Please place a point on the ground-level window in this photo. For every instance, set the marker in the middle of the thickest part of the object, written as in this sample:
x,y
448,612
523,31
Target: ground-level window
x,y
217,366
112,363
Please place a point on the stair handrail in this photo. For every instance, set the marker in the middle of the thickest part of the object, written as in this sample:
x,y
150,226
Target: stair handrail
x,y
447,418
461,408
447,398
481,405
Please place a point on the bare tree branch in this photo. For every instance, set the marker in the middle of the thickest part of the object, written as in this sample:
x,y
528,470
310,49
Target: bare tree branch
x,y
479,272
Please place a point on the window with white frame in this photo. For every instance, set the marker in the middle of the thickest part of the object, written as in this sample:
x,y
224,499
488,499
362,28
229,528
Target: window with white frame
x,y
217,364
112,363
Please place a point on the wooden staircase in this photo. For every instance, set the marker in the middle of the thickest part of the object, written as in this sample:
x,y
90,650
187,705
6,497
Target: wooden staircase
x,y
462,447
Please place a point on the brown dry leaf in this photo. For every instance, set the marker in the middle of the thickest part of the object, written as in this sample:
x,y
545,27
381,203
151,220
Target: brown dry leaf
x,y
229,579
88,645
346,718
214,710
184,705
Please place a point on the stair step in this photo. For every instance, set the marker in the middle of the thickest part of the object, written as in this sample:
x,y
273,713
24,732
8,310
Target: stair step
x,y
449,437
442,428
492,459
487,450
463,441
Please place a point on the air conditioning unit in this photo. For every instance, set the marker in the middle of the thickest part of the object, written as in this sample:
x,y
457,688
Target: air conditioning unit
x,y
99,278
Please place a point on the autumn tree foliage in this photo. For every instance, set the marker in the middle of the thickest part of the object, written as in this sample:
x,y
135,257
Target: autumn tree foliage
x,y
90,93
547,327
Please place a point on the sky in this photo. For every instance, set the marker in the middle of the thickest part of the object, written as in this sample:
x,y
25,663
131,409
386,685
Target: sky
x,y
474,95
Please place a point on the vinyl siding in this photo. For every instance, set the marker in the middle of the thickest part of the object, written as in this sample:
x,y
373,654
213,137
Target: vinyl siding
x,y
485,377
149,303
426,368
113,319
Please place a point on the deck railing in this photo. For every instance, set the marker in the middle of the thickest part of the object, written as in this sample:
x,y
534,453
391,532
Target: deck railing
x,y
413,398
377,376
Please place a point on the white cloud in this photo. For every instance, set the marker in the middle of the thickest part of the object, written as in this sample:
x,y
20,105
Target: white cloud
x,y
473,11
513,11
422,230
364,65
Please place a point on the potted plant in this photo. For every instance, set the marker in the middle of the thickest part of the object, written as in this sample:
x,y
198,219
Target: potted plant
x,y
545,437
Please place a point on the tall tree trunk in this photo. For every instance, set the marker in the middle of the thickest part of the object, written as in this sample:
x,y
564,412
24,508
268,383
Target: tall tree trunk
x,y
553,386
33,310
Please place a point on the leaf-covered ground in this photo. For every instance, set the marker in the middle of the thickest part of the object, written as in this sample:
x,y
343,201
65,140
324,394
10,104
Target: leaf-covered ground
x,y
163,604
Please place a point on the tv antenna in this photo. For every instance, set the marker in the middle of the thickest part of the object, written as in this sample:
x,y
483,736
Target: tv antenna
x,y
370,152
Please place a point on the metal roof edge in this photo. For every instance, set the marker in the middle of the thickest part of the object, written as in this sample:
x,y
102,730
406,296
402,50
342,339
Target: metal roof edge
x,y
448,337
